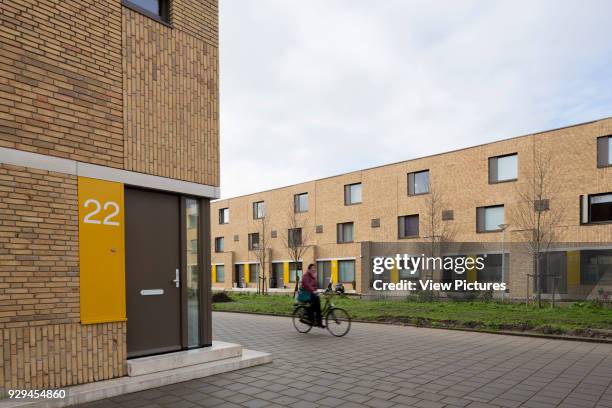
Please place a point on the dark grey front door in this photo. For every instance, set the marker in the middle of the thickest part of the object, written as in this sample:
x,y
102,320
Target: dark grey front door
x,y
276,280
152,242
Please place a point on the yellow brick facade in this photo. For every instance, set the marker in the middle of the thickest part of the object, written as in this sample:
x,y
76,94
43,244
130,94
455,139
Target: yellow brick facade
x,y
96,83
459,177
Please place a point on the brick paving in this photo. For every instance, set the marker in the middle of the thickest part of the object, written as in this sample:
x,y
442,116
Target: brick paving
x,y
382,366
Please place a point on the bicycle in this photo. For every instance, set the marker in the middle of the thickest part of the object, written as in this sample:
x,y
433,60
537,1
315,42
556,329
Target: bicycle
x,y
337,320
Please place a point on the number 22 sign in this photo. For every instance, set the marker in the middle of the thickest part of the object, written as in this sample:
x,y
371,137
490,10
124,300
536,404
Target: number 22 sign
x,y
101,250
97,207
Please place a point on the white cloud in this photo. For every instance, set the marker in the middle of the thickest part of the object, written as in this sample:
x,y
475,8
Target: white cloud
x,y
312,89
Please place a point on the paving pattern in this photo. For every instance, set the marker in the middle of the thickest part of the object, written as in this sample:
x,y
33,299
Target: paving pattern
x,y
383,366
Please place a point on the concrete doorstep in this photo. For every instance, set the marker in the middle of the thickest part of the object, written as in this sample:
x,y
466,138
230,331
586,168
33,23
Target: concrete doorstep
x,y
156,371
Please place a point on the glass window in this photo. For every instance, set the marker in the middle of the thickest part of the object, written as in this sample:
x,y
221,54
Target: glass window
x,y
408,226
253,273
409,274
259,210
346,271
604,151
294,236
157,8
295,271
494,217
224,216
301,202
324,276
503,168
352,194
489,218
596,267
220,275
553,272
345,232
450,275
418,182
600,208
219,244
507,168
192,220
149,5
254,241
492,271
192,208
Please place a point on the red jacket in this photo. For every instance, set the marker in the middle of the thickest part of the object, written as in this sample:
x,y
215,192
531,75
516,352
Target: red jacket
x,y
309,282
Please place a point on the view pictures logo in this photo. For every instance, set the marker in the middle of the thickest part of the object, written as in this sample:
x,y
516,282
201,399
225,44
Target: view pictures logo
x,y
411,264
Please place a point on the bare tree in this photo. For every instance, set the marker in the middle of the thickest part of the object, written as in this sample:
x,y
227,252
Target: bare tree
x,y
533,217
296,238
261,252
437,231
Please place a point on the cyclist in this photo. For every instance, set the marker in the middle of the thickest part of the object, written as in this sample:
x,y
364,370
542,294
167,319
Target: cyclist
x,y
309,284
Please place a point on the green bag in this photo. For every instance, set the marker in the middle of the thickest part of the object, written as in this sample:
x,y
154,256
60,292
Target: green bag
x,y
303,296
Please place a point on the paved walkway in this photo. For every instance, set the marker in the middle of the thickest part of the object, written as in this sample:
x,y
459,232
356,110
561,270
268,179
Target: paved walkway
x,y
392,366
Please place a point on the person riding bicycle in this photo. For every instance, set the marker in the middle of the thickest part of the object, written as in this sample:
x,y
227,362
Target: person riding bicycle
x,y
309,284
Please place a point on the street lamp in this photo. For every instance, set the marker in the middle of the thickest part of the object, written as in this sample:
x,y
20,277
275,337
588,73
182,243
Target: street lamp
x,y
503,227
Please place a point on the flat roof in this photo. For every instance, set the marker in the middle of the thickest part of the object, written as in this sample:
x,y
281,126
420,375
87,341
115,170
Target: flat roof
x,y
417,158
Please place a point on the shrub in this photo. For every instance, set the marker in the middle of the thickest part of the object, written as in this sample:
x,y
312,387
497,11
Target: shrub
x,y
486,296
426,296
587,304
221,297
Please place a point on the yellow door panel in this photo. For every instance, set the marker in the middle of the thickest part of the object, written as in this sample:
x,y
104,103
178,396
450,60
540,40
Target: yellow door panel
x,y
334,270
101,251
573,267
286,273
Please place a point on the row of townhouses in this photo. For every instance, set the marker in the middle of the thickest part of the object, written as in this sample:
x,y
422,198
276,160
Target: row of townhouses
x,y
482,200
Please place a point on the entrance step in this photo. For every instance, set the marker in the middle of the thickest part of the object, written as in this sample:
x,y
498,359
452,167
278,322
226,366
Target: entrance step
x,y
80,394
218,351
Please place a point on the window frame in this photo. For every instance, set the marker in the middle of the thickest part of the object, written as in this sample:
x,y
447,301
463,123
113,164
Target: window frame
x,y
253,269
291,238
604,151
413,276
342,261
256,212
250,241
217,273
589,214
494,176
340,226
399,226
162,17
411,178
297,268
217,240
296,203
480,225
347,194
222,218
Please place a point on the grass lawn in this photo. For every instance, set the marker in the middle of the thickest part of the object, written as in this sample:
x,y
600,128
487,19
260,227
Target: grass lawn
x,y
583,319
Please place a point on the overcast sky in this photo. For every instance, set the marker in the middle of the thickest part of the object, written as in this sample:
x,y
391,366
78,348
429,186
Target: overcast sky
x,y
310,89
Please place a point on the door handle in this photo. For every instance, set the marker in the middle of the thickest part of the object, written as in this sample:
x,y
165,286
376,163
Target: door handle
x,y
177,279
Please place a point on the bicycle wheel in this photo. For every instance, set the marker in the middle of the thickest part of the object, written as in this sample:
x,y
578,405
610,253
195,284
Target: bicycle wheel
x,y
338,322
300,316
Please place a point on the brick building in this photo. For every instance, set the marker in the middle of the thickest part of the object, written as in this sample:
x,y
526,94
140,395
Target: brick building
x,y
109,155
466,202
